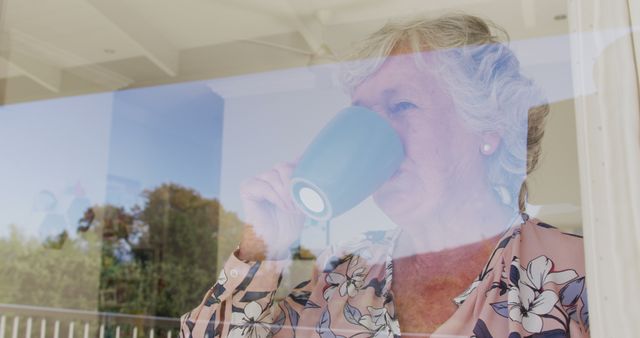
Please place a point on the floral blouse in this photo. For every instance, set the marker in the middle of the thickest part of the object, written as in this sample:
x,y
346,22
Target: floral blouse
x,y
532,285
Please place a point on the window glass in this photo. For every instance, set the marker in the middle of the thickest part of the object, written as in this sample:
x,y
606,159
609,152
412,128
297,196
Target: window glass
x,y
257,169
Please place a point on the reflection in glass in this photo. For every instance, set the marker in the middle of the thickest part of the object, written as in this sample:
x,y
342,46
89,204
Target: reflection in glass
x,y
459,255
130,202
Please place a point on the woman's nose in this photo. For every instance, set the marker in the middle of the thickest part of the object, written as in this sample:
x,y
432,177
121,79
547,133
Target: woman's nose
x,y
380,110
377,108
396,124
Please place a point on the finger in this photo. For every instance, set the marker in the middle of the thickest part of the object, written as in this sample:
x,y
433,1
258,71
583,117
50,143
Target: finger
x,y
257,189
285,176
280,176
280,185
272,176
285,169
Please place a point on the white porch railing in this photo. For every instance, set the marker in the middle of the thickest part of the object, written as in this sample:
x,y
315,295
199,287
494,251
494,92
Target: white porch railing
x,y
23,321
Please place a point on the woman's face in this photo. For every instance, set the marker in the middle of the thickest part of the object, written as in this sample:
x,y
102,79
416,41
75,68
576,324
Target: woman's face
x,y
443,160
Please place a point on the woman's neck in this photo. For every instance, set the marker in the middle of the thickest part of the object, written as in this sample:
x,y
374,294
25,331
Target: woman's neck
x,y
470,219
442,276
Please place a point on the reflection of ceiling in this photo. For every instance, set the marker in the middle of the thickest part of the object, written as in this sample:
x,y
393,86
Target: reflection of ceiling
x,y
54,48
110,44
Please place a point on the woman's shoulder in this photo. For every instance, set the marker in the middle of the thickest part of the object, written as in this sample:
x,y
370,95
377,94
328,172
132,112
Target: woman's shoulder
x,y
537,238
541,250
532,238
535,280
545,229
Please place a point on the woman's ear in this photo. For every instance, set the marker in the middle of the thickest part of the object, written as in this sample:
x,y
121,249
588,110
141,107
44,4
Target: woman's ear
x,y
490,142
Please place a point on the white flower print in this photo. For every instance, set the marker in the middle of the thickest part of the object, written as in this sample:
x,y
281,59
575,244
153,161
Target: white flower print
x,y
388,275
217,290
252,323
528,301
526,306
538,273
222,278
348,284
380,323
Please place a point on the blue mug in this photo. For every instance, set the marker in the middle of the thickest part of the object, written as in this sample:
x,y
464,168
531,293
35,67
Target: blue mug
x,y
351,157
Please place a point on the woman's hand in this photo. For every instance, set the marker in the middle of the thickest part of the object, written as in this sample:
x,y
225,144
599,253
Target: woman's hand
x,y
273,221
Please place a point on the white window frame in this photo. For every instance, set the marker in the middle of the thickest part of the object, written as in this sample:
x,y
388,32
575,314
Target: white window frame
x,y
608,135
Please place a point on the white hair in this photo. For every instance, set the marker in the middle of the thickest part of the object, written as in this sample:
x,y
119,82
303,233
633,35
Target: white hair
x,y
484,79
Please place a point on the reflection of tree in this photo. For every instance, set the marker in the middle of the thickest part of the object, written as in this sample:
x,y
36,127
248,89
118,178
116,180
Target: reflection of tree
x,y
156,259
172,248
62,272
56,242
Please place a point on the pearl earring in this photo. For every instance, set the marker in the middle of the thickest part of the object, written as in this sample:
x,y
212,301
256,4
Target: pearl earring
x,y
486,148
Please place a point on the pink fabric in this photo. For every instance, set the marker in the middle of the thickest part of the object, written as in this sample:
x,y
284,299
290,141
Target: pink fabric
x,y
532,285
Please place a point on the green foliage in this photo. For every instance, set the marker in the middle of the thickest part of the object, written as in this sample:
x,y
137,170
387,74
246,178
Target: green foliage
x,y
229,233
158,259
61,274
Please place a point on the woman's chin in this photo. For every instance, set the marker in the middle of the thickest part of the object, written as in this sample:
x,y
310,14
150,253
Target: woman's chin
x,y
396,201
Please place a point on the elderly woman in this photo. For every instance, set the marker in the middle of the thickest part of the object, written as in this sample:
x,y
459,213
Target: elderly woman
x,y
461,264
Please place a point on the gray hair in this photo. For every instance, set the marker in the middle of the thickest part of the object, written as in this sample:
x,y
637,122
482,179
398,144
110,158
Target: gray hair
x,y
484,79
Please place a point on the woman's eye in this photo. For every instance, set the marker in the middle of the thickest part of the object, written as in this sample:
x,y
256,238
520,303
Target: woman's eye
x,y
401,106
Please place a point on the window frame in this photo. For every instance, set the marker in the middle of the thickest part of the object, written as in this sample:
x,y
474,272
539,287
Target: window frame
x,y
608,137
